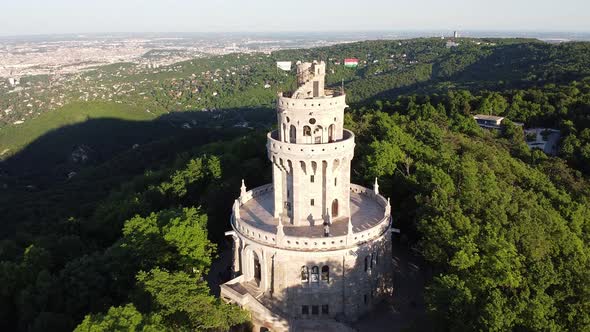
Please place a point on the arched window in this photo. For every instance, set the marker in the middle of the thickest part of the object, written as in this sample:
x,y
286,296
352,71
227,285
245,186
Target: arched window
x,y
315,274
335,208
367,263
318,134
284,134
306,131
292,134
304,274
326,273
257,269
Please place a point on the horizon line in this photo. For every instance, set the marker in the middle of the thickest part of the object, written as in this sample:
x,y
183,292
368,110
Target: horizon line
x,y
358,31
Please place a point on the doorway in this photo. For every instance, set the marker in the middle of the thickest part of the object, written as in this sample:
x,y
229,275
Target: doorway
x,y
257,272
335,208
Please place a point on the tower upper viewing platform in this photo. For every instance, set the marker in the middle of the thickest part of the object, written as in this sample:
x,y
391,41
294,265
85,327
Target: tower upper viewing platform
x,y
311,78
311,114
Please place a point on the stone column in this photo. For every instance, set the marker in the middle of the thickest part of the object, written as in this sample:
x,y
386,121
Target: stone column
x,y
346,175
296,208
376,187
236,263
277,180
329,188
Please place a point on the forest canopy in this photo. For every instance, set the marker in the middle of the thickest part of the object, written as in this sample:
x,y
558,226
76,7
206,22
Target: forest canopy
x,y
127,243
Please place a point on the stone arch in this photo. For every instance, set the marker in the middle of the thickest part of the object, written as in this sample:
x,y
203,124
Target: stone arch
x,y
306,131
304,274
257,268
307,134
336,165
326,273
254,267
282,165
318,134
315,274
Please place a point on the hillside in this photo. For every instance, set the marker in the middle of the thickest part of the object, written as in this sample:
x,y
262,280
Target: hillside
x,y
387,69
15,138
129,237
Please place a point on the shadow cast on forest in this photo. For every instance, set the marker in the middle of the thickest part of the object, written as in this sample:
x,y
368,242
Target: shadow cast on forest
x,y
507,67
53,156
64,173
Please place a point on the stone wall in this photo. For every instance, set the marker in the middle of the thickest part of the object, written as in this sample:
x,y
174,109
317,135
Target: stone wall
x,y
350,289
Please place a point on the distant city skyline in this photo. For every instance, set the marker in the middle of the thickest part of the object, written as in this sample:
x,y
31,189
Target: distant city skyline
x,y
136,16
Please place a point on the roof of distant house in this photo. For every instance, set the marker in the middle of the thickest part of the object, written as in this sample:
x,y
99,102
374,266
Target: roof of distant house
x,y
488,117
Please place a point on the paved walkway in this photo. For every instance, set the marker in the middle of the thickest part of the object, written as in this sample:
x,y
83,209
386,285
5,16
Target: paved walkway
x,y
365,213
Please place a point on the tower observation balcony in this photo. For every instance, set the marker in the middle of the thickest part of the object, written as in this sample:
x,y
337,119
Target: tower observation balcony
x,y
252,217
296,151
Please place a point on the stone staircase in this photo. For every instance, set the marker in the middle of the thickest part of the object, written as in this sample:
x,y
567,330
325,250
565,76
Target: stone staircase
x,y
267,312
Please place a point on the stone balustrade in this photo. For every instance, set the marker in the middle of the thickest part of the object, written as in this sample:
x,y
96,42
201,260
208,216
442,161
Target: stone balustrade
x,y
323,104
278,239
326,151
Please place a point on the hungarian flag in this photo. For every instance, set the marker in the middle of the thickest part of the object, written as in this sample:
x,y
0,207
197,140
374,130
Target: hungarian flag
x,y
351,62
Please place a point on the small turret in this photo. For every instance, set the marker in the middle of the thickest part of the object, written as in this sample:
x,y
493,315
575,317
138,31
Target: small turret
x,y
243,189
376,187
310,79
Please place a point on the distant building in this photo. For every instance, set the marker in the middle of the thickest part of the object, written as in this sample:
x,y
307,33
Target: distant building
x,y
456,34
13,82
544,139
451,43
488,121
284,65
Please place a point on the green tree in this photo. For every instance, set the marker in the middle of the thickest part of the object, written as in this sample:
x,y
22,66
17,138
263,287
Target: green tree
x,y
125,318
183,300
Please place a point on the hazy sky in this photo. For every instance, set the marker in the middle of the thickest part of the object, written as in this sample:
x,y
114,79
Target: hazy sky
x,y
83,16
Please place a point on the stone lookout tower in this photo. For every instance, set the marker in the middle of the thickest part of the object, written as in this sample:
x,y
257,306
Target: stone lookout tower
x,y
311,250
